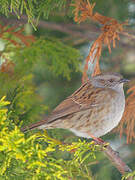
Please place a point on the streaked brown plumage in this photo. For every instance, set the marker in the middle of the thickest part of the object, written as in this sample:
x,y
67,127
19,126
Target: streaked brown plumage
x,y
95,108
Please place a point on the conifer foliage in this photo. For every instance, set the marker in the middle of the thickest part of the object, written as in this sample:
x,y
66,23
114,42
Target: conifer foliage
x,y
36,155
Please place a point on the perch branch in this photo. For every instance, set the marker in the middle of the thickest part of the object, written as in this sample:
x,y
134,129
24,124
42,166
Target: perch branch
x,y
116,160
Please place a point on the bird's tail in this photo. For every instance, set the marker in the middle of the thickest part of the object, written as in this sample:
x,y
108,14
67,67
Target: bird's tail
x,y
40,125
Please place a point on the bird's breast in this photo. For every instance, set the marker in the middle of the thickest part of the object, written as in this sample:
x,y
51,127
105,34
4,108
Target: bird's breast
x,y
111,116
101,119
118,107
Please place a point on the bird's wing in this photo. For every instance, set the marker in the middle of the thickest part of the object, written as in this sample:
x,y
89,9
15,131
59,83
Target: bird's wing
x,y
86,97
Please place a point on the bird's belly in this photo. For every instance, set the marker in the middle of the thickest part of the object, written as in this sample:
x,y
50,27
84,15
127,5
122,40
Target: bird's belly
x,y
99,124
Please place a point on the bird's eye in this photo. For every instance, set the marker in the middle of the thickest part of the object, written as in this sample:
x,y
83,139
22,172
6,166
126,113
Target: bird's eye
x,y
111,80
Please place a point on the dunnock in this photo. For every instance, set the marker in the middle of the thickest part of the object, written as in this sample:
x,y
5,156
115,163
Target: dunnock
x,y
91,111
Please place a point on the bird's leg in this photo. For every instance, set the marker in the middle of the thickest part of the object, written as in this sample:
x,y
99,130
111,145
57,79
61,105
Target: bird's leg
x,y
98,140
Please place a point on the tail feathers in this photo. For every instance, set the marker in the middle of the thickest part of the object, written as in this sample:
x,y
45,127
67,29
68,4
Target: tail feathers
x,y
40,125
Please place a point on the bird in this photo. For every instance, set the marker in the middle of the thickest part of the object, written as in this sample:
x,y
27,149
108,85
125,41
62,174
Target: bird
x,y
91,111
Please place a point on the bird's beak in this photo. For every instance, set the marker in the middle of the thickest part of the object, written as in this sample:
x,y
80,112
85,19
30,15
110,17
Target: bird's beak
x,y
124,80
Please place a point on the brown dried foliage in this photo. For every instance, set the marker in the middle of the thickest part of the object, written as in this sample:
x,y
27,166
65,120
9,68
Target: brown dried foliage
x,y
109,34
127,123
15,36
8,67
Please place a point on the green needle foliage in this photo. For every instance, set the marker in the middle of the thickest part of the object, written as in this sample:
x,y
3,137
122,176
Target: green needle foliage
x,y
29,67
33,9
17,77
58,58
129,175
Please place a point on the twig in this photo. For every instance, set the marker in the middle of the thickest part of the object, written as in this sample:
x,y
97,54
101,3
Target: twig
x,y
114,157
86,32
116,160
128,35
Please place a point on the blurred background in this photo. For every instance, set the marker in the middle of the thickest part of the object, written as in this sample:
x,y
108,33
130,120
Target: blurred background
x,y
49,70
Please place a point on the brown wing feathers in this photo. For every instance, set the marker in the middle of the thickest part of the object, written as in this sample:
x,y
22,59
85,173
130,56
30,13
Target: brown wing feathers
x,y
68,106
81,99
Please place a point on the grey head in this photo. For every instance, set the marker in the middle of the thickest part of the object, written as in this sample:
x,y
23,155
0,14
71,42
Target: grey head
x,y
109,80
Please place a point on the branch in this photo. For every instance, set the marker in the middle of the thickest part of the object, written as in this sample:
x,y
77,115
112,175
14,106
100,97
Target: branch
x,y
116,160
87,32
81,34
114,157
128,35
